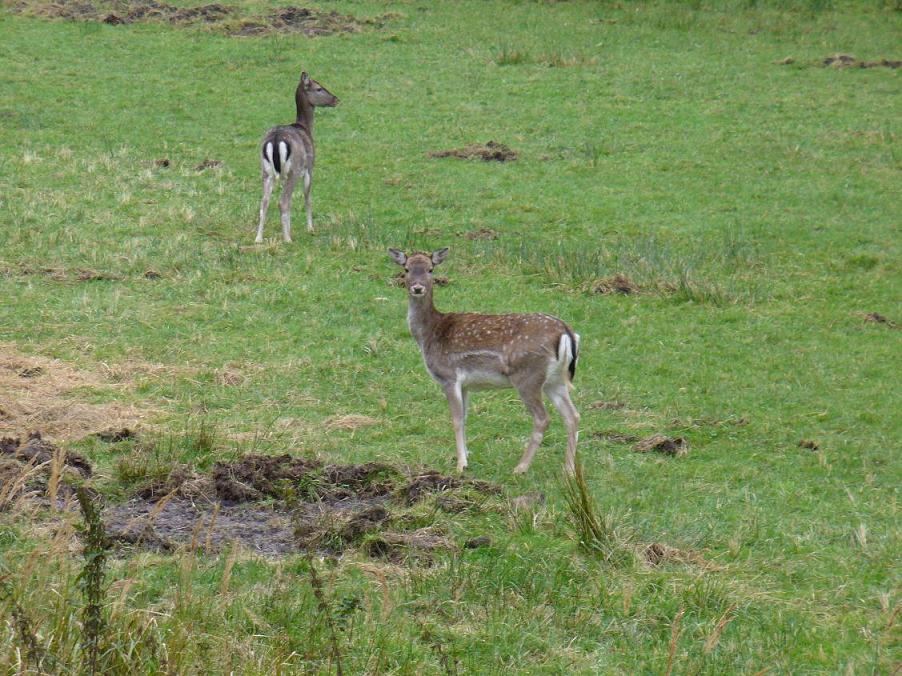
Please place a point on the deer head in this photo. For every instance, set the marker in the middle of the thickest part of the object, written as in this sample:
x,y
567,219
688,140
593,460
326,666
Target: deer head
x,y
418,269
315,93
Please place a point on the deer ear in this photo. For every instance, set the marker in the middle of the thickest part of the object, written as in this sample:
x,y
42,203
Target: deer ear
x,y
439,256
305,79
398,256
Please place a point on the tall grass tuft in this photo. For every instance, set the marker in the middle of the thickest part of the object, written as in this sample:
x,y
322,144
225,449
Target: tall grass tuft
x,y
597,533
24,628
91,580
317,585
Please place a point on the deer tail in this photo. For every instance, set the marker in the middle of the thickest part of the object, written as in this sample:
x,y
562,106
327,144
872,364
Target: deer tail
x,y
276,154
568,351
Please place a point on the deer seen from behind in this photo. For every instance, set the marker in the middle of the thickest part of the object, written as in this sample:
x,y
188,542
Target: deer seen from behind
x,y
532,353
287,153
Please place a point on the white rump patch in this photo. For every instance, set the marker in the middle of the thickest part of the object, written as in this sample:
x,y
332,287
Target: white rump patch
x,y
283,156
268,156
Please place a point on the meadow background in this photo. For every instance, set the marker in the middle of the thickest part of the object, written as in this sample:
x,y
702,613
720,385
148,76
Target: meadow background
x,y
753,203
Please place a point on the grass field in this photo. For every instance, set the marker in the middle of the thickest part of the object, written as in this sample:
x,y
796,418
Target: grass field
x,y
753,204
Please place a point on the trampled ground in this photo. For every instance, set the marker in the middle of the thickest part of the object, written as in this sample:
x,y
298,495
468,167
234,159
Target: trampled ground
x,y
706,192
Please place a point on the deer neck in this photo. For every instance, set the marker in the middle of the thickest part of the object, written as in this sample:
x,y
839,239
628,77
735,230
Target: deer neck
x,y
422,317
305,111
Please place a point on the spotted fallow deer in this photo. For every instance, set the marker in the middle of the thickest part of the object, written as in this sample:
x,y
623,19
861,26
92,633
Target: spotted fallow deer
x,y
287,152
533,353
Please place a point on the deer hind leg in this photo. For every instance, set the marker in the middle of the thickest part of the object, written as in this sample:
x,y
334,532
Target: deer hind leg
x,y
285,204
308,200
532,397
268,181
559,394
457,403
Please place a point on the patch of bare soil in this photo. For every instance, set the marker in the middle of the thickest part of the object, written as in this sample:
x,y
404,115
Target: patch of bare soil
x,y
120,12
615,284
481,234
28,469
37,451
849,61
657,553
226,18
307,21
38,393
615,437
491,151
809,444
676,446
877,318
280,504
398,547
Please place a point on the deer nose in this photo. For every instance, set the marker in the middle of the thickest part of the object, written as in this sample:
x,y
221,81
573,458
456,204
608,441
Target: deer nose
x,y
417,289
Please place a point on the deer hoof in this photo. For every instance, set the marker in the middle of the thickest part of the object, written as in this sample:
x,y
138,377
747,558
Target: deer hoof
x,y
259,240
521,469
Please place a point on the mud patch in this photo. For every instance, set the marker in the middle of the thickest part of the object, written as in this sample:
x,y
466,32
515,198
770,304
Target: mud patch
x,y
309,22
222,18
488,152
276,505
877,318
121,12
615,284
658,553
483,234
27,471
37,451
111,436
676,446
39,393
848,61
401,547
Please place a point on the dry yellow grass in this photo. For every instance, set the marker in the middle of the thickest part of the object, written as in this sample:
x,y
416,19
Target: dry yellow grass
x,y
40,393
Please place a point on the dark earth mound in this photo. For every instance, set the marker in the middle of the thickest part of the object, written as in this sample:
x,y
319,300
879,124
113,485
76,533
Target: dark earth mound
x,y
662,444
276,505
224,18
491,151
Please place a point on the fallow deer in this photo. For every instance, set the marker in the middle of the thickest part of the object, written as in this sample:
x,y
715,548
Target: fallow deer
x,y
533,353
287,152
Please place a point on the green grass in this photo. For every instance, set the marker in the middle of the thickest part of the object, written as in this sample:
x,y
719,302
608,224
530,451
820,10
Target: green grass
x,y
754,204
